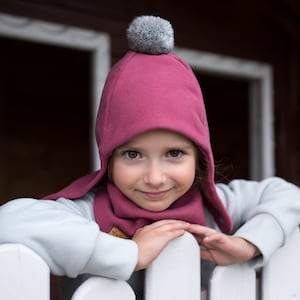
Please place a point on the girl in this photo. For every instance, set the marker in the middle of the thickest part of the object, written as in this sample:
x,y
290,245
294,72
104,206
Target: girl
x,y
156,179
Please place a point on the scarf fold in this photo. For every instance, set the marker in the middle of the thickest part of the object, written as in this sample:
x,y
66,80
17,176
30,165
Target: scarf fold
x,y
118,215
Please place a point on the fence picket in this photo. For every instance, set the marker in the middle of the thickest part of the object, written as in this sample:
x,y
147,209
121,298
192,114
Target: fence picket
x,y
23,274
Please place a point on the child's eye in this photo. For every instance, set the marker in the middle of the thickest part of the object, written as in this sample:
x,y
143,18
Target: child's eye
x,y
131,154
175,153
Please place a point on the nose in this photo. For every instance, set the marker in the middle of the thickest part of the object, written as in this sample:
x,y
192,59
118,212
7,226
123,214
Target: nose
x,y
155,174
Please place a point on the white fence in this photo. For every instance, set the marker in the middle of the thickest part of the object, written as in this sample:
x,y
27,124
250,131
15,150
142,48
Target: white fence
x,y
175,275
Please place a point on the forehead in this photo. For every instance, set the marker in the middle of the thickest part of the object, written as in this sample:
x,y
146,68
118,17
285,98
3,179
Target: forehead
x,y
161,136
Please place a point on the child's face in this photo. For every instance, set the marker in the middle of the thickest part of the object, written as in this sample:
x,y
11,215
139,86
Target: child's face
x,y
155,168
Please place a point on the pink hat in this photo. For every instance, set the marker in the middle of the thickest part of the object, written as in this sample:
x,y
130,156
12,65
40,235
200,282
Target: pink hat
x,y
151,88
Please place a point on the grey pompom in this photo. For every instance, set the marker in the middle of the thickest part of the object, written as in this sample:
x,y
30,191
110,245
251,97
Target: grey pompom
x,y
150,35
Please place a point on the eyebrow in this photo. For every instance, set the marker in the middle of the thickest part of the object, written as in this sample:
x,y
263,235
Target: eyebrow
x,y
180,146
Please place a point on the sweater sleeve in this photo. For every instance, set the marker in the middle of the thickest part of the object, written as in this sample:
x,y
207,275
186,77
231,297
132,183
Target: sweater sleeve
x,y
65,235
265,213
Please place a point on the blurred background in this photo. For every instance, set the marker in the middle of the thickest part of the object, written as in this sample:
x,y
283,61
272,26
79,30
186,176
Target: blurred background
x,y
45,89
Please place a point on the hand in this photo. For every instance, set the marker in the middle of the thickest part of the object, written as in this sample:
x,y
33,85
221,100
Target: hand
x,y
222,249
152,239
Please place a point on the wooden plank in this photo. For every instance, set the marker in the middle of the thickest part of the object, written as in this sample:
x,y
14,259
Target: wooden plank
x,y
234,282
96,288
175,274
281,276
23,274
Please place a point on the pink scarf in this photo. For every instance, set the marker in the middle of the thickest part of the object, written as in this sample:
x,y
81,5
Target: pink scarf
x,y
118,215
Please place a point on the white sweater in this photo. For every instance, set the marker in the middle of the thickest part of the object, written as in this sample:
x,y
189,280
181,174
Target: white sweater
x,y
65,235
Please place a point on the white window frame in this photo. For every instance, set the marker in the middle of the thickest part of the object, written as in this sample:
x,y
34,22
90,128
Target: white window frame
x,y
96,43
260,79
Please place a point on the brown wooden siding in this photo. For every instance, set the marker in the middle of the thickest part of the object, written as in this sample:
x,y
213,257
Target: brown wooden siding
x,y
265,31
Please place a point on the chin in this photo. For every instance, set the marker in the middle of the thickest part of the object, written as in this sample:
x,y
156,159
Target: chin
x,y
156,209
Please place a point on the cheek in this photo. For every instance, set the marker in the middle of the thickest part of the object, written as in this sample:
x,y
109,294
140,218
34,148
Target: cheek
x,y
121,175
116,174
186,175
189,178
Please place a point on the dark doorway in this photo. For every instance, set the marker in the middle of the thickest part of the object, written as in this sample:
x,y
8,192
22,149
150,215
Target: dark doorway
x,y
44,117
227,105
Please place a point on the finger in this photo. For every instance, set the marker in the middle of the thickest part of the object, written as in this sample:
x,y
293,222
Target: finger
x,y
214,241
169,225
206,255
201,230
167,221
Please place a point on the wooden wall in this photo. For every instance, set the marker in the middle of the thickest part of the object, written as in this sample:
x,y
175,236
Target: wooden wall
x,y
265,31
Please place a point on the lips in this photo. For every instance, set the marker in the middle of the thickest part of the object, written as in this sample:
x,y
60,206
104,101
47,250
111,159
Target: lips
x,y
156,194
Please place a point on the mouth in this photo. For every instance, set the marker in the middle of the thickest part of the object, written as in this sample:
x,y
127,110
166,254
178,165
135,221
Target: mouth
x,y
155,194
